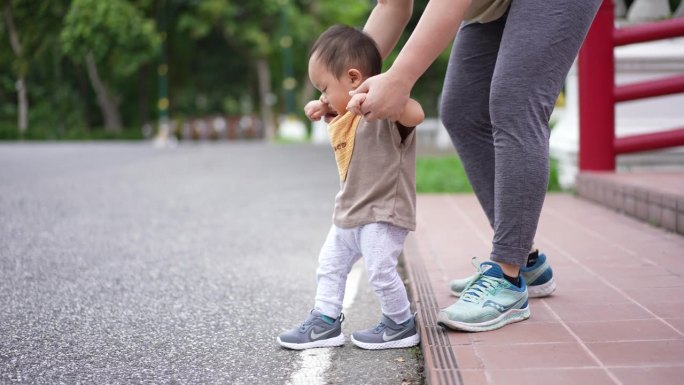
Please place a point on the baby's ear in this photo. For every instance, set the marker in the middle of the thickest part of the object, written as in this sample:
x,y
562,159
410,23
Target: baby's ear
x,y
355,77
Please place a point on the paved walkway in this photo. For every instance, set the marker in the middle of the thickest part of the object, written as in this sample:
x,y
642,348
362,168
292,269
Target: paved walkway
x,y
617,316
125,264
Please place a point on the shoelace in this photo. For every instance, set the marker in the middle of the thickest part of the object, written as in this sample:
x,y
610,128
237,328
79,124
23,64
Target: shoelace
x,y
480,286
477,290
379,327
305,325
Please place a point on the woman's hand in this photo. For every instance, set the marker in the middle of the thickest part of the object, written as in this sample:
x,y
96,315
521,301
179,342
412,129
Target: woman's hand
x,y
386,97
389,92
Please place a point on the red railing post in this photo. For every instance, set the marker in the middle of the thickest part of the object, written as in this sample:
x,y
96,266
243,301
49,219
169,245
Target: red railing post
x,y
596,68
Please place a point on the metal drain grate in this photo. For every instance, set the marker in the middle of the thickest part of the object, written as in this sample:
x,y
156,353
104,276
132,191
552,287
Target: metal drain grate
x,y
435,342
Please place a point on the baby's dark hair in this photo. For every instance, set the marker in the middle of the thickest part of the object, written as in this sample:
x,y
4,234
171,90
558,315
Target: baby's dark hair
x,y
342,47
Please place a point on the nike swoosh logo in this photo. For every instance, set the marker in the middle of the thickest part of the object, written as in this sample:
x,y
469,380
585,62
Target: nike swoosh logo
x,y
389,337
314,336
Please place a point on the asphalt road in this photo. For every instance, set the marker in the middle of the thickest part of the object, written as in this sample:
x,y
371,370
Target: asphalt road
x,y
122,263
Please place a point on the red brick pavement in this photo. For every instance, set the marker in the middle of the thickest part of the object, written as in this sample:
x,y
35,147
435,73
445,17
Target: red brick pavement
x,y
617,316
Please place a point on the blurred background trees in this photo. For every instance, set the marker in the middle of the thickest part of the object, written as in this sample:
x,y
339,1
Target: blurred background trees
x,y
91,68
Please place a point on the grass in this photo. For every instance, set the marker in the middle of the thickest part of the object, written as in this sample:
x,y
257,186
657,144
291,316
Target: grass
x,y
441,174
445,174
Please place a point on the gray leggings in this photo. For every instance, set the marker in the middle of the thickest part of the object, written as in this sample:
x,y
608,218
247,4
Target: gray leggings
x,y
501,85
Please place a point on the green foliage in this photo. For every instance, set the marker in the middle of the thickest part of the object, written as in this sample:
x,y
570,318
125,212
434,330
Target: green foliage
x,y
61,110
38,24
256,29
115,32
52,99
554,184
256,26
445,174
211,46
441,174
248,26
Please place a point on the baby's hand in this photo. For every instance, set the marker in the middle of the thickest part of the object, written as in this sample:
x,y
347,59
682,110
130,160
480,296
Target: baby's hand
x,y
355,103
315,110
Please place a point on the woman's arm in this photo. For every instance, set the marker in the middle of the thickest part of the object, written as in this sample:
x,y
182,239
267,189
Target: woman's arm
x,y
389,91
435,30
386,22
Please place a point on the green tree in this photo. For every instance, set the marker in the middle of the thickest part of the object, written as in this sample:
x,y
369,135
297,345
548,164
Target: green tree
x,y
18,48
224,56
31,27
247,28
254,30
114,39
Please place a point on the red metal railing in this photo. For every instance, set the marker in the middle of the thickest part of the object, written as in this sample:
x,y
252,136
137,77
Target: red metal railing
x,y
598,93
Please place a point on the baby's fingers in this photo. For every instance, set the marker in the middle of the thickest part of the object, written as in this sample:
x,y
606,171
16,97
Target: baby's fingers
x,y
355,104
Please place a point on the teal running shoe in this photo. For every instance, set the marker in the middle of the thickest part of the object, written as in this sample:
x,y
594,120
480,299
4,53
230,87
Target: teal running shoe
x,y
315,332
388,334
539,279
487,303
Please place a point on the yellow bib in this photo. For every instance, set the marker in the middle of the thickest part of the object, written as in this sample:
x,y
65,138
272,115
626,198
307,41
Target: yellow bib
x,y
342,131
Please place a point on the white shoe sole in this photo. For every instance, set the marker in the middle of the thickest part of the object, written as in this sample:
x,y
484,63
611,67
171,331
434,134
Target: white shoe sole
x,y
511,316
542,290
402,343
326,343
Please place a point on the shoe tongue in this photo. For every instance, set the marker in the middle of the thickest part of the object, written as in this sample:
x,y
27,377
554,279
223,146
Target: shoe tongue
x,y
315,314
491,269
387,321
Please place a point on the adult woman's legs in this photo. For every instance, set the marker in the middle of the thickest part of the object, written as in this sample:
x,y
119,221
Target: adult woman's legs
x,y
539,44
506,156
464,107
501,86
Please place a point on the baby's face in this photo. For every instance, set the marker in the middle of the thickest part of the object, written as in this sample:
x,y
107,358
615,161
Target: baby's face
x,y
335,92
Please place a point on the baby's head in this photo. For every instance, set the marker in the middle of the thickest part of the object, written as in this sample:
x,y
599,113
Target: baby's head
x,y
339,61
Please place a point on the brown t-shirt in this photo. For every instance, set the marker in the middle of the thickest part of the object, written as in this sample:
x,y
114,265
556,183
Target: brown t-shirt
x,y
484,11
381,179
